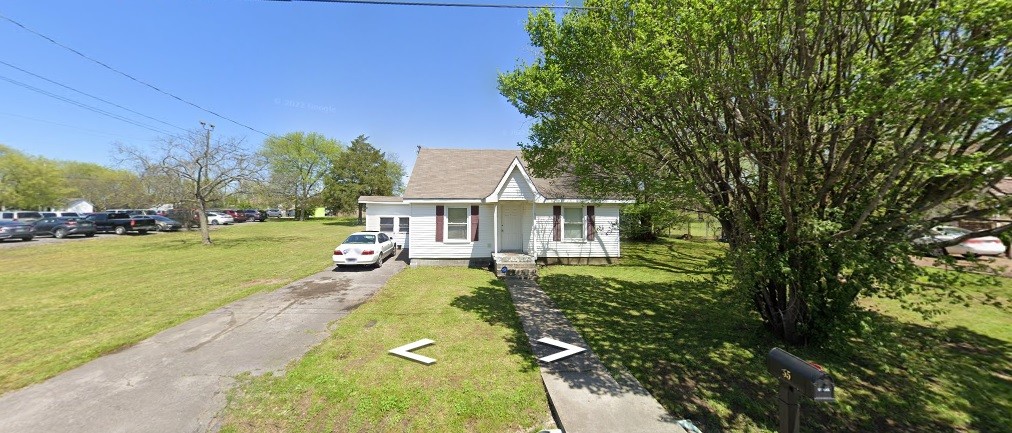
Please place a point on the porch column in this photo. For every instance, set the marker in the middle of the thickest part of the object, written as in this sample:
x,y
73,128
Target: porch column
x,y
532,239
495,228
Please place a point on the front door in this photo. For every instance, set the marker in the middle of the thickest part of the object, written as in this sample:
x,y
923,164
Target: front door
x,y
511,228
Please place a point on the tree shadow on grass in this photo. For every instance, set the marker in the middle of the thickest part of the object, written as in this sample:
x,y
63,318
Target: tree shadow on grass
x,y
683,257
492,303
702,355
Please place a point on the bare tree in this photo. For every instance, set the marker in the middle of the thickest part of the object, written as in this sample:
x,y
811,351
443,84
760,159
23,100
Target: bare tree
x,y
209,170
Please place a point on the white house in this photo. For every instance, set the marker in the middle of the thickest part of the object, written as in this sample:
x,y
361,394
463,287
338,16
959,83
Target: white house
x,y
79,205
461,206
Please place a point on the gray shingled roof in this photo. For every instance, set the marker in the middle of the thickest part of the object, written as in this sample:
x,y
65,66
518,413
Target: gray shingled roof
x,y
471,174
379,199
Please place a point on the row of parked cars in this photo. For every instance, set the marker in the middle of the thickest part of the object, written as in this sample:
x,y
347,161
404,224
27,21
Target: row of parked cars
x,y
230,216
26,225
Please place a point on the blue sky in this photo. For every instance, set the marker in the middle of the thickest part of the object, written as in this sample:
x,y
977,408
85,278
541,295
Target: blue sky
x,y
404,76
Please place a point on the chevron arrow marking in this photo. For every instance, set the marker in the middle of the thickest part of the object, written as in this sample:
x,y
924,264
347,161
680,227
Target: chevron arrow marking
x,y
570,349
405,351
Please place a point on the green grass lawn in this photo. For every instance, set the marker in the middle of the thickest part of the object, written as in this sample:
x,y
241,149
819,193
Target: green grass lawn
x,y
484,379
67,303
701,351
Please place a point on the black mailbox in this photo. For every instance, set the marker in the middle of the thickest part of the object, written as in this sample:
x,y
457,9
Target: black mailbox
x,y
807,378
797,377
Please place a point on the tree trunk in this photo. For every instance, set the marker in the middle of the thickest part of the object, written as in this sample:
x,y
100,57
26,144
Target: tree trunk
x,y
781,315
646,227
205,232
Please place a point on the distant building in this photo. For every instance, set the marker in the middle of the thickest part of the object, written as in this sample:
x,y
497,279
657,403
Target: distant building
x,y
79,205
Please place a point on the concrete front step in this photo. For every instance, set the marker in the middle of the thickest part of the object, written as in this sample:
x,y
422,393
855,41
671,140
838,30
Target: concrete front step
x,y
514,265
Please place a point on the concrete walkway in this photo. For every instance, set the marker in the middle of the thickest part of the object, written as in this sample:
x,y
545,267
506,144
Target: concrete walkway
x,y
584,396
177,380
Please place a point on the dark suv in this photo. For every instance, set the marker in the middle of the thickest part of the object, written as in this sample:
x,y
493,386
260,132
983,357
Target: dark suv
x,y
60,227
255,215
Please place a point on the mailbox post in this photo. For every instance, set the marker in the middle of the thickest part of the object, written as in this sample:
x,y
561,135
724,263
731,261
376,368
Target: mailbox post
x,y
797,377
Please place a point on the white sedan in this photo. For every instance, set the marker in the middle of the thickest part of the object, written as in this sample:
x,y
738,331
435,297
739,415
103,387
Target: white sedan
x,y
215,218
364,248
982,246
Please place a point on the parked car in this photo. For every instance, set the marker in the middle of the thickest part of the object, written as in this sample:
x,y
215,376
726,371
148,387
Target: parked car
x,y
255,215
60,214
16,230
22,216
980,246
364,248
60,227
215,218
121,223
166,224
236,215
274,213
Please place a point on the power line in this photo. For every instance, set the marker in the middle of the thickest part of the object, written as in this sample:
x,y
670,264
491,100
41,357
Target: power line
x,y
131,77
95,131
84,106
91,96
452,5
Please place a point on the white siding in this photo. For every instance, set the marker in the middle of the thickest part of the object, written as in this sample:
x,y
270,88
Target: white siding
x,y
605,243
81,206
374,211
423,234
516,188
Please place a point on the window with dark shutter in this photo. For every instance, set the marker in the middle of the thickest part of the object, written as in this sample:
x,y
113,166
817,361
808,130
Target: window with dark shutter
x,y
590,223
439,223
456,224
572,224
474,223
556,223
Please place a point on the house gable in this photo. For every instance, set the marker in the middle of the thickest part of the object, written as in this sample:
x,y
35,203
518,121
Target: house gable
x,y
515,184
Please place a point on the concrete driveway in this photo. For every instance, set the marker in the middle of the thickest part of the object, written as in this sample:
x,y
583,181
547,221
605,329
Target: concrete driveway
x,y
177,380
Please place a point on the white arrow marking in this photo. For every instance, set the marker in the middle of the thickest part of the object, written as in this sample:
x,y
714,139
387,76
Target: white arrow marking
x,y
405,351
570,349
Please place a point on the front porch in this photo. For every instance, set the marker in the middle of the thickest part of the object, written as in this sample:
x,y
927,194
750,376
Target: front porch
x,y
514,265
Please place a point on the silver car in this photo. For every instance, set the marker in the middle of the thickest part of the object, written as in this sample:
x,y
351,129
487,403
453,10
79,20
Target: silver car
x,y
979,246
21,216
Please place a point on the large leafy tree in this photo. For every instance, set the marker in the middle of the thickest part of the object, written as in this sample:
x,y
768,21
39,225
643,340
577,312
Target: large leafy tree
x,y
104,187
822,134
298,163
28,182
361,170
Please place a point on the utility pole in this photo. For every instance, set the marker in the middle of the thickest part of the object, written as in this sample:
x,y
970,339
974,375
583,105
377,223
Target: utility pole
x,y
200,176
207,127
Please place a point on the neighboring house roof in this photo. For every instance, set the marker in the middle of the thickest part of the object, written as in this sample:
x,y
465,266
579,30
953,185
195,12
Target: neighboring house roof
x,y
379,199
472,174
